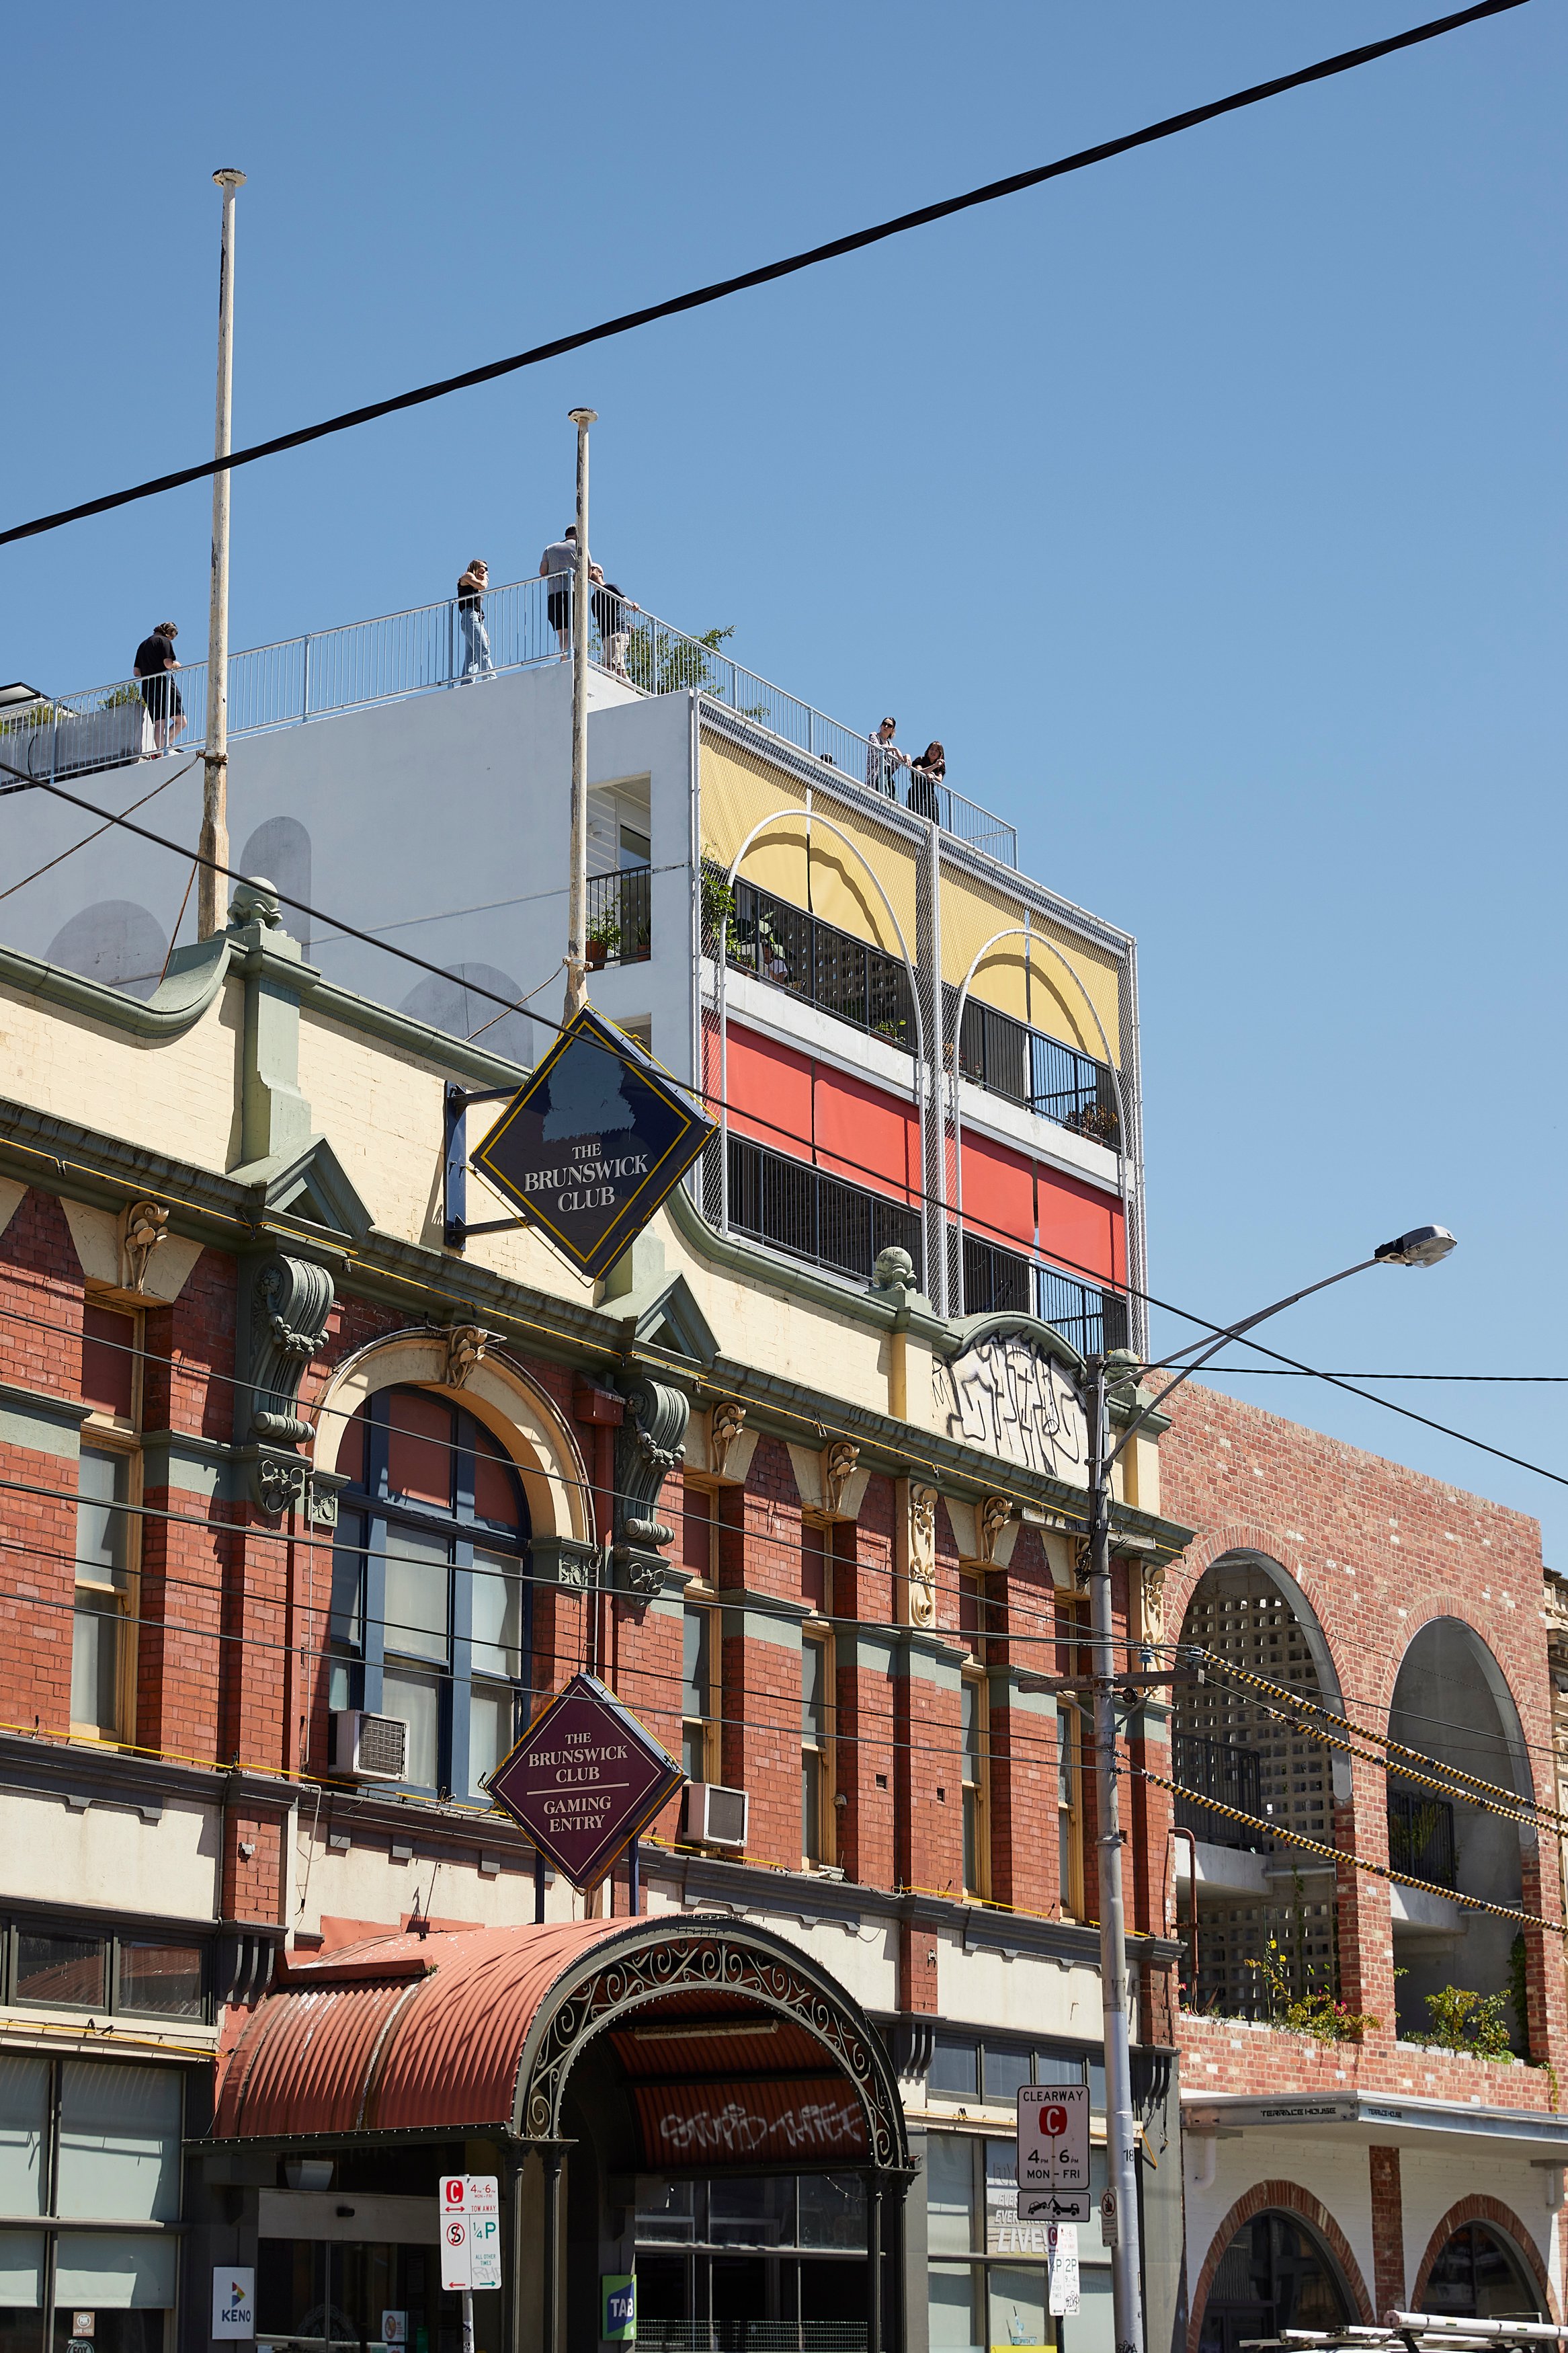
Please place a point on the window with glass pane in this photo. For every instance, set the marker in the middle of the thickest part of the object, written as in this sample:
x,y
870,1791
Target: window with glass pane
x,y
976,1857
1006,2066
814,1812
1017,2300
954,2065
102,1547
66,1970
1068,1787
952,2301
24,2115
832,2211
698,1725
119,2142
950,2193
431,1592
165,1980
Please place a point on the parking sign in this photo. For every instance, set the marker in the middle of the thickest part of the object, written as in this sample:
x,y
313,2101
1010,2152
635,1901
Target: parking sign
x,y
469,2231
1053,2152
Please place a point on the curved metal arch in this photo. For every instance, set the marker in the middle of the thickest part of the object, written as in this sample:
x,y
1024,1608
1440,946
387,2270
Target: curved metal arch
x,y
1021,931
655,1960
921,1092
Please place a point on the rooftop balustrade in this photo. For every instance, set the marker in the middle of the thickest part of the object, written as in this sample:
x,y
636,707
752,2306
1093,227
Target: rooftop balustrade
x,y
433,648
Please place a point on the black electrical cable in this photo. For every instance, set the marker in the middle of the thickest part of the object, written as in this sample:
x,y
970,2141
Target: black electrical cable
x,y
407,955
1344,62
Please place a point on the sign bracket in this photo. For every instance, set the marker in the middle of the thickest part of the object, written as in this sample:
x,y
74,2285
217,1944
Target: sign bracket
x,y
455,1226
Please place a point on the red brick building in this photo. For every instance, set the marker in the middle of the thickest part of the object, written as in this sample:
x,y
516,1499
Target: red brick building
x,y
1380,1685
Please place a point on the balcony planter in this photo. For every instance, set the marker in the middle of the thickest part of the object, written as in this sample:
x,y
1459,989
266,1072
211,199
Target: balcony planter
x,y
598,952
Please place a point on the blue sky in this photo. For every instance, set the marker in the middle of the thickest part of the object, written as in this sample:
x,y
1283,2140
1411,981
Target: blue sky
x,y
1208,505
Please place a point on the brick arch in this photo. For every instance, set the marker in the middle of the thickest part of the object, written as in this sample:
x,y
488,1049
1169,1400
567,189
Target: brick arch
x,y
1480,2209
1249,1536
1289,2200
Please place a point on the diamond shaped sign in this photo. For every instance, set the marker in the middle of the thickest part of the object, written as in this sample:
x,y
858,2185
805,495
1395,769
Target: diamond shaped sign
x,y
583,1779
592,1144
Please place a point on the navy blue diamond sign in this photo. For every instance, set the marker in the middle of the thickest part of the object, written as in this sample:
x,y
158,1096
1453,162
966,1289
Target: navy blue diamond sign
x,y
593,1143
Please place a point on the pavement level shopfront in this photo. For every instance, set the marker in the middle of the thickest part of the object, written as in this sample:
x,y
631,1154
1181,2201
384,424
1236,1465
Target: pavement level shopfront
x,y
693,2098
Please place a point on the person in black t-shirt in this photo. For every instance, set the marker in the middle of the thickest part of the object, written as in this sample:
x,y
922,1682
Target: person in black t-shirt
x,y
613,613
155,661
471,592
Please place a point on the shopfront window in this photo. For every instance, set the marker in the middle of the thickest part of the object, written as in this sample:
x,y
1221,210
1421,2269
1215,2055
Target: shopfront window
x,y
112,2136
740,2261
998,2297
430,1594
1481,2275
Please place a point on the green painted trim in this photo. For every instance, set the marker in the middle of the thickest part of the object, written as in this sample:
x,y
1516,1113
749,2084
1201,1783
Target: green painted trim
x,y
763,1618
196,1466
194,978
1003,1684
43,1423
928,1659
874,1652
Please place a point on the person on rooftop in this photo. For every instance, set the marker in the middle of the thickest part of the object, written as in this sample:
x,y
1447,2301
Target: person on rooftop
x,y
884,760
557,566
613,613
151,670
471,589
925,776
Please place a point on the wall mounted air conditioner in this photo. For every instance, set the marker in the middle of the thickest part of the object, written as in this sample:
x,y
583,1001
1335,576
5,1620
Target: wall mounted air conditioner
x,y
713,1816
369,1748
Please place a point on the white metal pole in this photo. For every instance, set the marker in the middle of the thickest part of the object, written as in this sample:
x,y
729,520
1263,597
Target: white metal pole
x,y
468,2346
1121,2124
211,888
577,899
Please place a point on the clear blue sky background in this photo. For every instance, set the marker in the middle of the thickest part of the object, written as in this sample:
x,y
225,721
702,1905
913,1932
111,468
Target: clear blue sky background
x,y
1209,506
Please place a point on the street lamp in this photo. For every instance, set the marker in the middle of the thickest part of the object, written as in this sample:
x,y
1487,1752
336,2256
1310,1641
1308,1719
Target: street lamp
x,y
1422,1246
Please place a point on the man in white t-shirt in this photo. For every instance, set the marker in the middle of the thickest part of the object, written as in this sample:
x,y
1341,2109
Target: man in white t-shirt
x,y
558,567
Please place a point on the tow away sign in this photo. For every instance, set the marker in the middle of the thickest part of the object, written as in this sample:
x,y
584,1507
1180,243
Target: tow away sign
x,y
1053,2152
471,2230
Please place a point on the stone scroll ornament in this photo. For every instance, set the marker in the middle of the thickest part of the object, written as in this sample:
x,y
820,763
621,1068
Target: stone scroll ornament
x,y
838,1467
466,1346
649,1445
923,1556
727,1420
146,1225
291,1300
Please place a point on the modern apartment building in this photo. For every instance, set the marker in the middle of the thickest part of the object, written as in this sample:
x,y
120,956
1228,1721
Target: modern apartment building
x,y
315,1490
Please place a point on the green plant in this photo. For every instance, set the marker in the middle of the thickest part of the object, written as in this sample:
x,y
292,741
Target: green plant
x,y
718,900
605,932
1469,2022
118,697
662,664
1315,2011
1519,1992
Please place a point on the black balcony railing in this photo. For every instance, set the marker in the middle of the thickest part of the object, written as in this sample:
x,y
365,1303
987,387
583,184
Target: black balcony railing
x,y
1007,1057
1421,1837
785,947
1225,1775
812,1216
620,922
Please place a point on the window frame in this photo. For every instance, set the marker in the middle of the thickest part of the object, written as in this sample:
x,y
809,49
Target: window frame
x,y
707,1726
118,1435
1072,1637
380,1508
113,1937
975,1795
817,1757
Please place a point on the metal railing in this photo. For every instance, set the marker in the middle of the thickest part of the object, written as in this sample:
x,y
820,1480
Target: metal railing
x,y
620,919
1231,1777
805,1211
784,945
425,648
1421,1837
1058,1082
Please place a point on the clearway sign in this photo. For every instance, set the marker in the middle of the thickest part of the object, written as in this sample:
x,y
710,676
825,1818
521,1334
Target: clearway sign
x,y
469,2230
1053,2152
591,1146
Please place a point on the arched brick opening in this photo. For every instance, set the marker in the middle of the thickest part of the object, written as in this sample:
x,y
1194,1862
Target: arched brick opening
x,y
1502,2218
1287,2198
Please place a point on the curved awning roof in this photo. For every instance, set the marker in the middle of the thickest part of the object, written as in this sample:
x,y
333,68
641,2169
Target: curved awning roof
x,y
477,2031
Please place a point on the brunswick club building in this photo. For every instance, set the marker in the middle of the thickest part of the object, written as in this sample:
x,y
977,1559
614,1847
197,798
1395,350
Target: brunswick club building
x,y
319,1483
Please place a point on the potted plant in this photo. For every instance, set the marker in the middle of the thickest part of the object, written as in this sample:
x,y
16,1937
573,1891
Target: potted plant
x,y
603,940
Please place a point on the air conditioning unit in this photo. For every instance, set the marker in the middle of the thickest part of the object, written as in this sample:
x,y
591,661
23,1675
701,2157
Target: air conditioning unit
x,y
712,1816
371,1747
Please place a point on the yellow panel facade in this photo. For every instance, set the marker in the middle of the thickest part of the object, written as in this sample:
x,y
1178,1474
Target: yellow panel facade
x,y
740,791
1028,978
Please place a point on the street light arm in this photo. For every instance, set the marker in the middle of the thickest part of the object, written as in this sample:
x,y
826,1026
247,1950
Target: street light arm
x,y
1212,1347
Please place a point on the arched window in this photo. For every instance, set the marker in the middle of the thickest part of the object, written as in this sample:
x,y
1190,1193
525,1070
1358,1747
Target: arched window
x,y
1273,2275
430,1615
1481,2275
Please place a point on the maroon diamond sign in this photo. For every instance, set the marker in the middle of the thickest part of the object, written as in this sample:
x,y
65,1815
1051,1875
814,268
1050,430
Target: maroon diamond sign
x,y
583,1779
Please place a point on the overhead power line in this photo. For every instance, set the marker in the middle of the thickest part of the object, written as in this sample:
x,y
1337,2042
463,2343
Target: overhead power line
x,y
407,955
1345,61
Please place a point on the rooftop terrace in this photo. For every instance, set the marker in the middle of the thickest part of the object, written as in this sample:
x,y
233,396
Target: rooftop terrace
x,y
421,651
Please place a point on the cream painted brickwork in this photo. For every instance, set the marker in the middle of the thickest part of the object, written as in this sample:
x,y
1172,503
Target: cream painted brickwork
x,y
108,1858
1339,2174
1429,2186
177,1096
